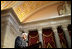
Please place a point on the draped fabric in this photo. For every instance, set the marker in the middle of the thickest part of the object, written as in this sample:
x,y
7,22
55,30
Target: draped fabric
x,y
63,40
33,37
48,39
69,30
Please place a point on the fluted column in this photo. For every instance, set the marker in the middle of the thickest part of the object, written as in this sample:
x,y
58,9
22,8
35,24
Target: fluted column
x,y
57,39
40,36
64,27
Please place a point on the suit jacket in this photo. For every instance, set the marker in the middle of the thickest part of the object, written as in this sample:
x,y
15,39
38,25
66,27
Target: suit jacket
x,y
20,43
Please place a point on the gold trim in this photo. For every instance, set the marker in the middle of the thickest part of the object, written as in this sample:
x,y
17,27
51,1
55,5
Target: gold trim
x,y
34,36
49,46
47,35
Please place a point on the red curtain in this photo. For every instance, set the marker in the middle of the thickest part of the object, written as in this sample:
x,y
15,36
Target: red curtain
x,y
62,37
33,37
48,38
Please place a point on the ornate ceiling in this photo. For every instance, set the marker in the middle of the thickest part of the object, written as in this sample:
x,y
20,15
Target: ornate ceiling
x,y
24,9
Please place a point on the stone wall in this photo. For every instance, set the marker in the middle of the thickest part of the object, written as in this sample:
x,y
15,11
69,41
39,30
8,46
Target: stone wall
x,y
9,28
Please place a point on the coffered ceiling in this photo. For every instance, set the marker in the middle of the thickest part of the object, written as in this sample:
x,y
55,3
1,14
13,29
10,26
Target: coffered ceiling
x,y
24,9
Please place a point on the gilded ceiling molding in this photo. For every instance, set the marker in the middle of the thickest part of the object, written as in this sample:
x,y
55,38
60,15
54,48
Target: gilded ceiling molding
x,y
38,9
9,4
27,7
4,4
17,4
24,9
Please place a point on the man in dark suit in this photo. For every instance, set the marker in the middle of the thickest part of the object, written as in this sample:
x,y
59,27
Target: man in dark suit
x,y
21,41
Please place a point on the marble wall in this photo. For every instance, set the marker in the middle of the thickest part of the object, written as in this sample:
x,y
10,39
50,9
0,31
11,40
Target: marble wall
x,y
9,29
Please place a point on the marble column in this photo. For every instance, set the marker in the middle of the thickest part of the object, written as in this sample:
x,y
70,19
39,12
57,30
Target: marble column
x,y
40,36
57,39
64,27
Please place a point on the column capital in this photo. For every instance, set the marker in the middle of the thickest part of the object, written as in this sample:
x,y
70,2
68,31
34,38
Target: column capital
x,y
64,27
39,29
54,28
